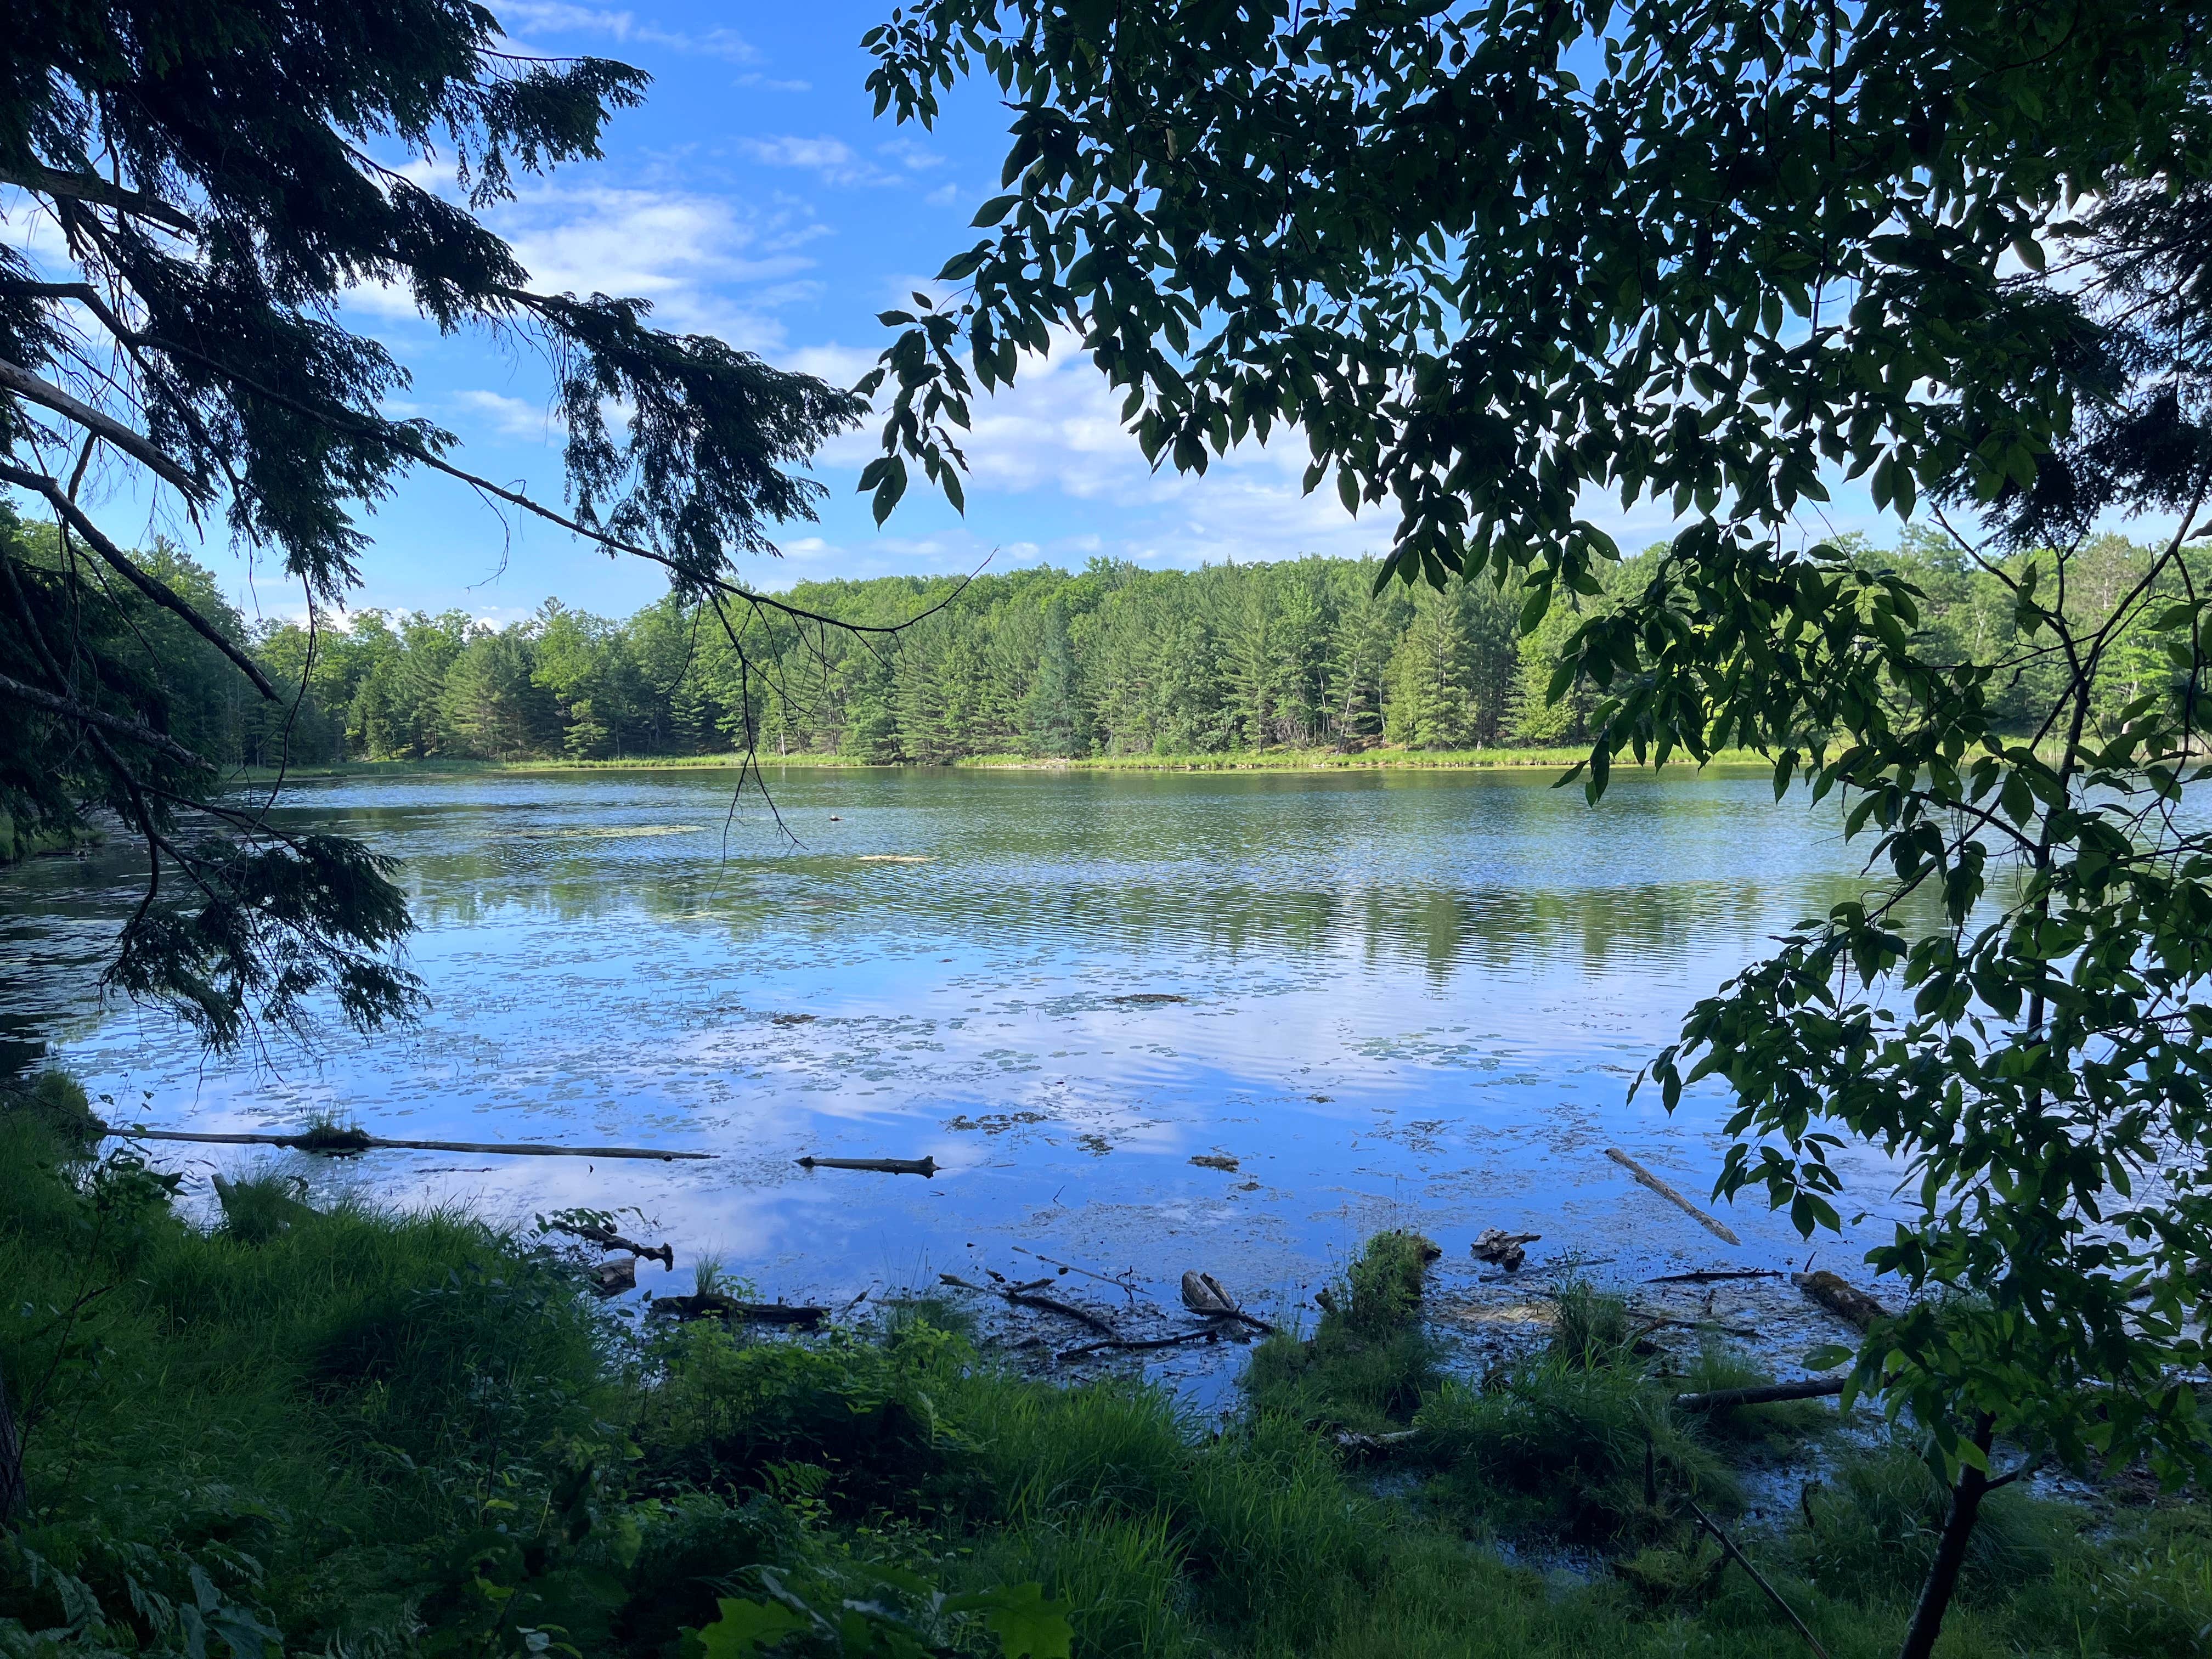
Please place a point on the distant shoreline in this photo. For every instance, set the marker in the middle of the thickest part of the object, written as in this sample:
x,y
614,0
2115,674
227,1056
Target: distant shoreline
x,y
1269,760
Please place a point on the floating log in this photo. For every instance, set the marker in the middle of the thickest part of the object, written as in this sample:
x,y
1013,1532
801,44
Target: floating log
x,y
1767,1393
1644,1177
924,1167
1502,1249
1216,1161
1148,999
1847,1302
1131,1345
346,1142
1715,1275
712,1304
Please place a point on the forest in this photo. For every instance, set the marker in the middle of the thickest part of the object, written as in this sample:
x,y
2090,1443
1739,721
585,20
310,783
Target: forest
x,y
1304,654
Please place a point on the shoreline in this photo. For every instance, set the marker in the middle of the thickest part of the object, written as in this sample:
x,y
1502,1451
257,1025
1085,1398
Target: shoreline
x,y
1283,760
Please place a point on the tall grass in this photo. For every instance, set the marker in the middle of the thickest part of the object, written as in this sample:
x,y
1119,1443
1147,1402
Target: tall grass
x,y
373,1434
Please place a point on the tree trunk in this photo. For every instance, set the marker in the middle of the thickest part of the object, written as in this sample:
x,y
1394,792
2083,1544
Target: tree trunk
x,y
1950,1556
13,1496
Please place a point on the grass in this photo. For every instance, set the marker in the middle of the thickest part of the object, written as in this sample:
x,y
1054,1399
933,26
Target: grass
x,y
367,1433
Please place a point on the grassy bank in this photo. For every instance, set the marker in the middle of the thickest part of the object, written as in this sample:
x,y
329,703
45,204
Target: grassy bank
x,y
370,1433
1258,760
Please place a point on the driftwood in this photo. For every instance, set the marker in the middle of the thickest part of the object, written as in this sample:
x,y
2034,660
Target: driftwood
x,y
1502,1249
1065,1309
1132,1345
591,1233
341,1142
1847,1302
1767,1393
1716,1275
1026,1297
1202,1293
1216,1161
615,1275
1148,999
924,1167
712,1304
1353,1440
1644,1177
1728,1546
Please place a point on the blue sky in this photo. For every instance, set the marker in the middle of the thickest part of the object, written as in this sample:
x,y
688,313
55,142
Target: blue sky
x,y
754,196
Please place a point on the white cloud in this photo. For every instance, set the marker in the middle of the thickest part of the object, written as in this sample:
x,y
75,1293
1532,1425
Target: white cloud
x,y
836,163
511,417
557,17
911,153
707,264
769,83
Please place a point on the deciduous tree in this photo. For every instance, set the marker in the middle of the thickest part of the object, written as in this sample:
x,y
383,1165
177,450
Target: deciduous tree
x,y
1492,261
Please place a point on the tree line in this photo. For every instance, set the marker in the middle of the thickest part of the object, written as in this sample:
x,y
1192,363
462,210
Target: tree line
x,y
1113,660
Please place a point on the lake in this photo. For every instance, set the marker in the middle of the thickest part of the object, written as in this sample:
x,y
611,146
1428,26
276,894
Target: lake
x,y
1401,998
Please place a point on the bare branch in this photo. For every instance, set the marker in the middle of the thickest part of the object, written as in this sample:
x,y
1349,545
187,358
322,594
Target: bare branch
x,y
20,380
152,587
71,710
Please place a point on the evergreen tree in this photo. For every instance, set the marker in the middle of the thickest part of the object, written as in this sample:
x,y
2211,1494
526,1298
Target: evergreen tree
x,y
210,169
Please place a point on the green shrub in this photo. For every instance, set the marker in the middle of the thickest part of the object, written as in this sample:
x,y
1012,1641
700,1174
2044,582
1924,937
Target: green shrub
x,y
1874,1523
1592,1453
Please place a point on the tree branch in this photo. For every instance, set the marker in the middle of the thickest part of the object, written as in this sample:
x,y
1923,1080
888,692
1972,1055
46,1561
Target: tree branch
x,y
20,380
152,587
77,711
90,187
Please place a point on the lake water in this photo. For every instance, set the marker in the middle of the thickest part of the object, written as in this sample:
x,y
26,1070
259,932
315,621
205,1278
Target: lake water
x,y
1405,998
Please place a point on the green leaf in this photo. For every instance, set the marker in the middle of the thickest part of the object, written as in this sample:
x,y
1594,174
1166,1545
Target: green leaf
x,y
1827,1358
1028,1625
745,1628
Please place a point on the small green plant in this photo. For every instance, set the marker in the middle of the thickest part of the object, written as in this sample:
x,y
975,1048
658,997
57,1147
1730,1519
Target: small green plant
x,y
880,1612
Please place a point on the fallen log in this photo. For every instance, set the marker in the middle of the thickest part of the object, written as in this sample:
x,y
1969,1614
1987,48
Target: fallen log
x,y
344,1142
1353,1440
1134,1345
924,1167
1065,1309
1716,1275
1644,1177
1023,1297
591,1233
1767,1393
712,1304
1846,1301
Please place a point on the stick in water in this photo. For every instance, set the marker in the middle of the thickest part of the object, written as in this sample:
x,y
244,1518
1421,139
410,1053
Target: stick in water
x,y
352,1141
1644,1177
924,1167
